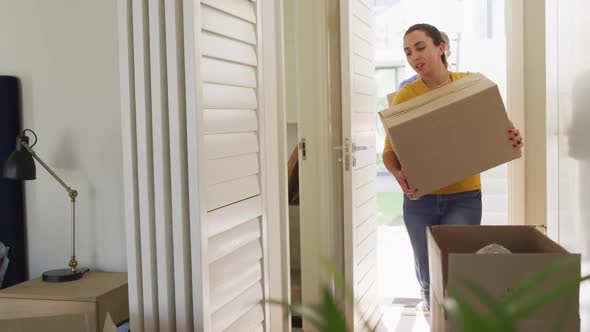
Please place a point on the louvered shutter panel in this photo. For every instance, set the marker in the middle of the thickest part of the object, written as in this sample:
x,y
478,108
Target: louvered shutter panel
x,y
230,110
195,153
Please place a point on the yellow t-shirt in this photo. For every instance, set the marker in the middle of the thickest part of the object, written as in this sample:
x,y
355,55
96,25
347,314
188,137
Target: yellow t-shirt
x,y
415,89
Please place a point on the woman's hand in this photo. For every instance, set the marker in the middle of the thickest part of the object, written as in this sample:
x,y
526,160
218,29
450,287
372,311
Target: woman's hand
x,y
400,176
515,138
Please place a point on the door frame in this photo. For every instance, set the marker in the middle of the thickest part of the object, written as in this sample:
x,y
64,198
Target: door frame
x,y
521,190
318,100
529,85
515,102
552,118
273,127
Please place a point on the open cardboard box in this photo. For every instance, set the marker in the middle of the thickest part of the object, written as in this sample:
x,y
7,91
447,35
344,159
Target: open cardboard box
x,y
452,252
448,134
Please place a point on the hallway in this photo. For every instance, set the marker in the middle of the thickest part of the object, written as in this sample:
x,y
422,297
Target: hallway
x,y
398,290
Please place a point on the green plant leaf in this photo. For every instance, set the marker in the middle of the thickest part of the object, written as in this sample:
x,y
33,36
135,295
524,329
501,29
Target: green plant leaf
x,y
462,312
564,310
334,320
326,316
342,287
339,281
501,321
536,303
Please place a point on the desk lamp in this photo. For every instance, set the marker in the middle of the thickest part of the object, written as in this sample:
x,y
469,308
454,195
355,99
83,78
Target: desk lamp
x,y
20,166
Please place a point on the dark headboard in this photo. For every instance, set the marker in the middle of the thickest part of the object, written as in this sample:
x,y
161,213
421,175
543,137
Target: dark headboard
x,y
12,226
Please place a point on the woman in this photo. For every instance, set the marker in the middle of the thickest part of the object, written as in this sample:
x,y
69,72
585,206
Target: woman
x,y
457,204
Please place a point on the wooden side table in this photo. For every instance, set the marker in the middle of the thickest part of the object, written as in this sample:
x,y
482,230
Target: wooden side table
x,y
95,294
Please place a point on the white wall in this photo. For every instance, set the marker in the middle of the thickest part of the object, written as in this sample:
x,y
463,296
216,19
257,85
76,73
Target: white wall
x,y
568,135
65,54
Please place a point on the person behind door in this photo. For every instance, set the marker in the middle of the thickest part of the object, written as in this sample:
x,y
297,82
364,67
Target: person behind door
x,y
456,204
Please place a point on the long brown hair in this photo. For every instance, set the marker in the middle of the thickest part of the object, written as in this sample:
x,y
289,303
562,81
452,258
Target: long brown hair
x,y
432,32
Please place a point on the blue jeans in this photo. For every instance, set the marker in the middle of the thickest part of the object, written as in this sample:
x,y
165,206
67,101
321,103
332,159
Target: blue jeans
x,y
430,210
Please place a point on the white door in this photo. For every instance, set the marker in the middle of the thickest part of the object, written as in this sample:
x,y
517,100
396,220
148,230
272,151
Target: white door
x,y
239,164
359,158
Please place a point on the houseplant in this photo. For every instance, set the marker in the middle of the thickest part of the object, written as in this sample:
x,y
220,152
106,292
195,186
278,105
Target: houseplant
x,y
328,315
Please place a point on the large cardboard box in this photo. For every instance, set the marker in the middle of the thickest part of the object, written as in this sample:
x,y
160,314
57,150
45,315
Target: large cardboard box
x,y
74,322
451,133
96,295
452,252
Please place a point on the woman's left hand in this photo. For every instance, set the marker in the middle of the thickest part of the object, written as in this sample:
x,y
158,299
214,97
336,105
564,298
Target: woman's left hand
x,y
515,138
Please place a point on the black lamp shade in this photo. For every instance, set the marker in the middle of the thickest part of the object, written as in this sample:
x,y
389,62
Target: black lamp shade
x,y
20,164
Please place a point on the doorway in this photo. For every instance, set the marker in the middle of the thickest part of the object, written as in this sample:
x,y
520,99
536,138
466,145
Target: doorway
x,y
476,30
478,42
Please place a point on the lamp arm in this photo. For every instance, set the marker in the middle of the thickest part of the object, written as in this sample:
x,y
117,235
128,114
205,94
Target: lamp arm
x,y
32,152
72,193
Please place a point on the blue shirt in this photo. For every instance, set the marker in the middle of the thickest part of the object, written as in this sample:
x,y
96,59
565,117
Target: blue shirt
x,y
406,81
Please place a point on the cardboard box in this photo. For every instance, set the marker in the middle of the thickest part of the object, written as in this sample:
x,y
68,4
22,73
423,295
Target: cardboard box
x,y
451,133
95,294
56,323
452,252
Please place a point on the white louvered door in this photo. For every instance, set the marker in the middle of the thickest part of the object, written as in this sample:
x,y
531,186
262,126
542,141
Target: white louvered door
x,y
201,100
359,162
234,197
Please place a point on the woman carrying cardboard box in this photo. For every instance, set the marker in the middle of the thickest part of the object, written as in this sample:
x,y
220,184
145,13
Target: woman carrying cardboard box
x,y
456,204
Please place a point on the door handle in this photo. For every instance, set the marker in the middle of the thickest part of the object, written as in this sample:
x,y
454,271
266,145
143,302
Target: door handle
x,y
359,147
338,148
